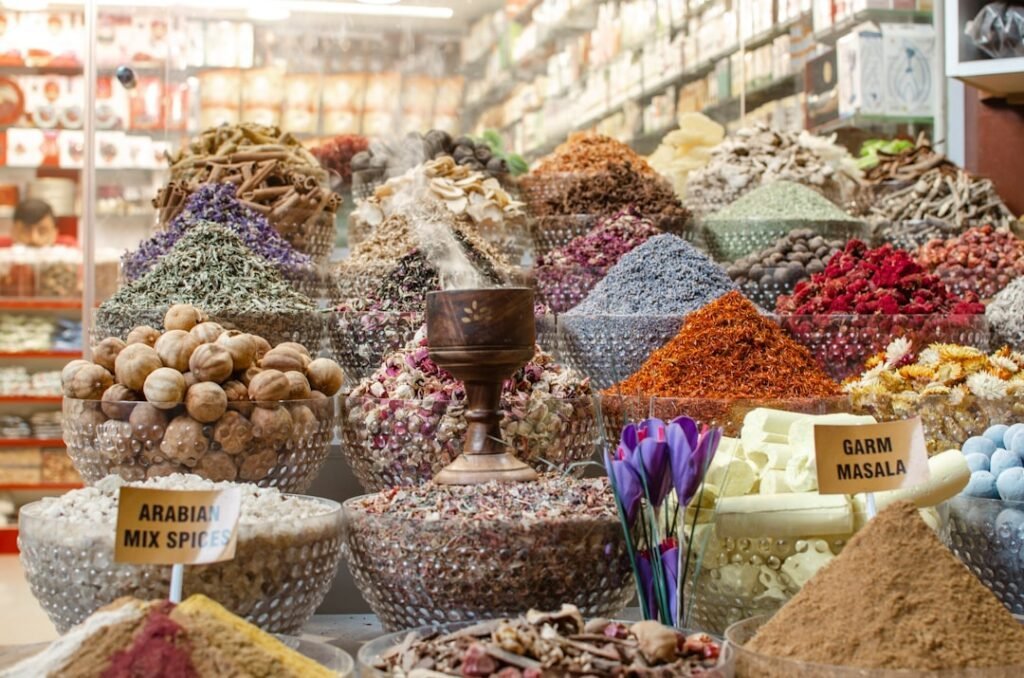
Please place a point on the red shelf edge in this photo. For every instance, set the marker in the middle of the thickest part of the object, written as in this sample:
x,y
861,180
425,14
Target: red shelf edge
x,y
38,304
16,399
9,540
40,354
40,487
31,442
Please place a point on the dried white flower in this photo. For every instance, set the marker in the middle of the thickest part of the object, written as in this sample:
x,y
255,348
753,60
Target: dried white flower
x,y
986,386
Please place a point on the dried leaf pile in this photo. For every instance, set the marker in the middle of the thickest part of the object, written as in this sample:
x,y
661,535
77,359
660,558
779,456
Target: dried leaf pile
x,y
553,644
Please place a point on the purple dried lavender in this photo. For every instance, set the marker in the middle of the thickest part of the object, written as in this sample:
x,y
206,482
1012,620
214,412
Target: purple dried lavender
x,y
217,203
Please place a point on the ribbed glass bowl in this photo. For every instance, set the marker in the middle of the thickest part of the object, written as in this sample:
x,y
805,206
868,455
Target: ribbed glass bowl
x,y
399,442
420,572
369,654
129,439
280,574
732,239
842,343
562,287
554,231
751,664
361,339
988,536
609,348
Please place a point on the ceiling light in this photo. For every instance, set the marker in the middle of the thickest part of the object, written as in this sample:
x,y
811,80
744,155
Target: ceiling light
x,y
268,11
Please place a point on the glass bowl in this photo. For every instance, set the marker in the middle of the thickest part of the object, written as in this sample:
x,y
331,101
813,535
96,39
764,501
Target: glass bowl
x,y
843,343
751,664
946,425
562,287
609,348
617,410
909,235
369,654
280,574
361,339
988,536
554,231
416,573
391,442
732,239
129,439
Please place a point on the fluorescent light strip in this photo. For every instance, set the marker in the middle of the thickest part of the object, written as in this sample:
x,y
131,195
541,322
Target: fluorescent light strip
x,y
300,7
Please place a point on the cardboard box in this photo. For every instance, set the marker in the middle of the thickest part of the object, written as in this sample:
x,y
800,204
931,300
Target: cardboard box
x,y
911,68
861,65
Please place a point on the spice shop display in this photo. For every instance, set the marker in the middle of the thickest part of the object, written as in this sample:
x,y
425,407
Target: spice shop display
x,y
336,155
774,271
958,391
200,399
686,149
440,553
637,307
196,637
213,269
920,619
866,297
18,381
540,643
564,276
1005,316
288,552
407,420
273,174
760,155
982,260
765,530
771,211
726,359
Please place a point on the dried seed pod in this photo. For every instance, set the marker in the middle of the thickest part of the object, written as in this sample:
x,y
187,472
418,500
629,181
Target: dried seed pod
x,y
148,423
105,353
298,386
165,468
284,359
233,432
184,441
206,402
134,363
325,376
269,386
257,466
68,373
175,347
164,388
183,317
295,346
211,362
114,441
657,642
247,376
304,423
271,426
262,345
89,382
190,380
216,466
118,401
206,332
241,347
143,334
238,397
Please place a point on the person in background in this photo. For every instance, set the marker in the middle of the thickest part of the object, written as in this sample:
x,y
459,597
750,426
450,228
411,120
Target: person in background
x,y
34,223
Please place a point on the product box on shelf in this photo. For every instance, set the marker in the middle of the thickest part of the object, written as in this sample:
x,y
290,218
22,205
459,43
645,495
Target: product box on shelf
x,y
301,103
911,68
220,97
263,95
861,63
820,83
343,103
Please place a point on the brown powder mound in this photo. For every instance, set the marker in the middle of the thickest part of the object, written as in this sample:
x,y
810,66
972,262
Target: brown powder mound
x,y
587,152
92,658
728,350
895,598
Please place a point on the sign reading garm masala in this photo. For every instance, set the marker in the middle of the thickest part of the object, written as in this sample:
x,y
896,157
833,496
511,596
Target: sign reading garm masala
x,y
870,457
170,527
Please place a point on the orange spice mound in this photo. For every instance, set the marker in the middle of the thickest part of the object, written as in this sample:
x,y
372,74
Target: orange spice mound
x,y
590,153
728,350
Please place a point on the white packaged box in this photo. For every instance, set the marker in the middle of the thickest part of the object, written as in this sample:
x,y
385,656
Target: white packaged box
x,y
861,62
911,69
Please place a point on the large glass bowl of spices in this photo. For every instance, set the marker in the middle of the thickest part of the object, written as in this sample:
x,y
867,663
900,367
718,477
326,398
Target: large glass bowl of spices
x,y
288,551
761,217
361,339
443,553
407,420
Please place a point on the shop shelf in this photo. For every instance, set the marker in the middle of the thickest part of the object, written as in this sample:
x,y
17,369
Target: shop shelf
x,y
38,304
29,399
39,487
31,442
39,355
8,540
830,35
872,122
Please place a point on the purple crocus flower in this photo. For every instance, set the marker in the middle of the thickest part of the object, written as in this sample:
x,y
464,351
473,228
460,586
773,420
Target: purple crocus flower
x,y
670,565
646,572
625,482
688,460
652,455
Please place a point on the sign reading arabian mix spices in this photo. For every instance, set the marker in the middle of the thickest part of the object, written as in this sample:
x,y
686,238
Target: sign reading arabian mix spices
x,y
169,527
870,457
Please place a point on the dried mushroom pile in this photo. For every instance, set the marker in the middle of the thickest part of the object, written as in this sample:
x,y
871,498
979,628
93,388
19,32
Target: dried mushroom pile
x,y
549,644
197,399
273,174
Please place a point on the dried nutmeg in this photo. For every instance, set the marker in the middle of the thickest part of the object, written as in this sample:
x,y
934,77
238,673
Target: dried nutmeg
x,y
298,386
143,334
238,397
262,345
183,317
207,332
89,383
206,402
105,353
241,347
190,380
217,466
325,376
164,388
68,373
175,347
273,426
295,346
284,359
233,432
134,363
257,466
184,441
148,423
118,402
269,386
211,362
304,423
247,376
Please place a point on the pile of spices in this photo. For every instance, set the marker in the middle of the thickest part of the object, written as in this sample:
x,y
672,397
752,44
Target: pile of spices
x,y
686,149
272,172
922,618
728,350
590,153
488,551
554,642
884,281
983,260
780,201
565,275
1005,315
406,421
958,391
211,268
216,203
760,155
335,155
